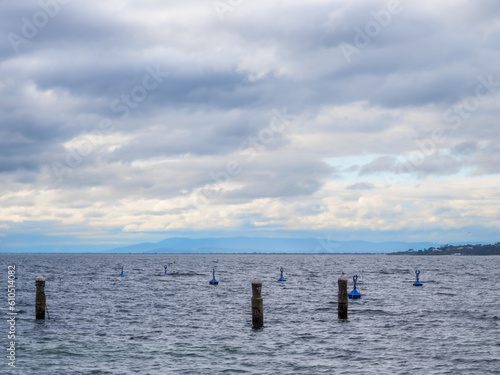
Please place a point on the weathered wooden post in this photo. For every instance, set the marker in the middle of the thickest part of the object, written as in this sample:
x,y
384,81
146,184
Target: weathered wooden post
x,y
257,304
40,297
342,297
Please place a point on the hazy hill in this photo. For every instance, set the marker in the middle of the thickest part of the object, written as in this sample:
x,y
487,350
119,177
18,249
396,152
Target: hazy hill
x,y
266,245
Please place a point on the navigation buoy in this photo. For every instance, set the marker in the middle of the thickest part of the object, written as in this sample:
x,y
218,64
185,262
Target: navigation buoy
x,y
213,281
281,278
122,274
354,294
165,266
417,283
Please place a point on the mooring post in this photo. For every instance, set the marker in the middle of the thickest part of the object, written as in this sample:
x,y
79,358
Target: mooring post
x,y
342,297
257,304
40,297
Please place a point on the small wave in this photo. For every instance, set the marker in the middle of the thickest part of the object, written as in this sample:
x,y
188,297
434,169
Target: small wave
x,y
176,274
392,271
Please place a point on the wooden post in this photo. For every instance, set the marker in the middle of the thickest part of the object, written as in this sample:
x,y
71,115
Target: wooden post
x,y
40,297
342,297
257,304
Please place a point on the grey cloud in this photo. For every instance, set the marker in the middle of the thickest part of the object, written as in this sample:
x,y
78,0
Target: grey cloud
x,y
361,186
380,164
352,168
465,148
415,164
437,164
280,176
487,159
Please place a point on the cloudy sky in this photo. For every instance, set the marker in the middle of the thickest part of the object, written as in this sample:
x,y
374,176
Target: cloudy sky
x,y
126,121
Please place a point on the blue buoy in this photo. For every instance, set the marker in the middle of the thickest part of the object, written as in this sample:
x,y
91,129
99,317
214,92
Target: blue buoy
x,y
281,278
122,274
417,283
354,294
213,281
165,266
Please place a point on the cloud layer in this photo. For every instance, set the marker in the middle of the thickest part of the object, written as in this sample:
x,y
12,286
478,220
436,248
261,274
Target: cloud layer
x,y
121,120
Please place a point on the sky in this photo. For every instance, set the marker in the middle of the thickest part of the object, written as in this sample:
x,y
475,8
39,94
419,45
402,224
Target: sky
x,y
123,121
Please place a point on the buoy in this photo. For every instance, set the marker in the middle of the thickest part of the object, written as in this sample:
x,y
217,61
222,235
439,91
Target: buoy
x,y
354,294
281,278
417,283
213,281
122,274
165,266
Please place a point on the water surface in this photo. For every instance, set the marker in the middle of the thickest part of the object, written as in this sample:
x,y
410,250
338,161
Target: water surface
x,y
151,323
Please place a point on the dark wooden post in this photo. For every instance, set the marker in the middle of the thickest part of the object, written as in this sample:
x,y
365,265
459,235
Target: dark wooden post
x,y
40,297
257,304
342,297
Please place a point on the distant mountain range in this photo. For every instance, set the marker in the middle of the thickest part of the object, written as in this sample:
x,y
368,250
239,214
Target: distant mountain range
x,y
267,245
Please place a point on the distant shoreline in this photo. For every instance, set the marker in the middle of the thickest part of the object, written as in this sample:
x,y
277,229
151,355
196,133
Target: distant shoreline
x,y
456,250
447,255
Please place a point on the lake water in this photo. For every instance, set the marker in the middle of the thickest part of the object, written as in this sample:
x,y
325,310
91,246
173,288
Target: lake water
x,y
150,323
